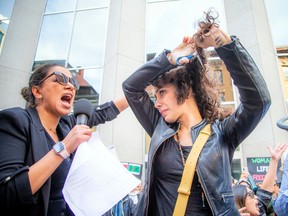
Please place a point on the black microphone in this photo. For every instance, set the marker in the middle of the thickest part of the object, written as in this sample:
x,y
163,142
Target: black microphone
x,y
82,111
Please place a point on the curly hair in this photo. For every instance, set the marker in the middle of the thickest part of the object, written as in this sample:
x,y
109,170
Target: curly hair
x,y
194,75
210,18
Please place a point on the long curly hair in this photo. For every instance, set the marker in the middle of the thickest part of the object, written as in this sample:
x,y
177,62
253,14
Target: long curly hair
x,y
194,75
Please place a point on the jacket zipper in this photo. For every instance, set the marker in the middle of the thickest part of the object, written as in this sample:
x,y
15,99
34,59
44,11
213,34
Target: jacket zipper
x,y
204,190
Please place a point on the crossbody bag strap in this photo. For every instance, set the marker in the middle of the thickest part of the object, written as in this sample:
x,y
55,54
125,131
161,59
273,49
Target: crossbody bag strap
x,y
189,170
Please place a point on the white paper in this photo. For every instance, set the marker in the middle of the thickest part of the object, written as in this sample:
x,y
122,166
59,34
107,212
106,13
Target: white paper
x,y
96,180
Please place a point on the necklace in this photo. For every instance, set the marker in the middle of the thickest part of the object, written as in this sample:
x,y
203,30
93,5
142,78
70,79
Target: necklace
x,y
183,161
180,149
53,131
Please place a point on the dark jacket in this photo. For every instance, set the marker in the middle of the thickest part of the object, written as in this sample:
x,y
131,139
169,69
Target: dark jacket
x,y
23,143
214,164
264,201
123,208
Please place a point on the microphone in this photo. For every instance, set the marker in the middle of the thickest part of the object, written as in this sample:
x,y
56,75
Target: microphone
x,y
82,111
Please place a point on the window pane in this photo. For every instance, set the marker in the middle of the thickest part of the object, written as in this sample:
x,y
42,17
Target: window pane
x,y
82,4
90,83
220,73
56,5
88,42
177,15
55,37
236,168
6,8
283,62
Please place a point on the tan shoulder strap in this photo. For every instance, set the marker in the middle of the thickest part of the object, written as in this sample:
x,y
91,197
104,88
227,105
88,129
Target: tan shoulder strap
x,y
189,170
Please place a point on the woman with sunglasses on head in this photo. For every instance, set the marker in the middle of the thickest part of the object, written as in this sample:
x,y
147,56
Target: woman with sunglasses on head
x,y
253,204
246,200
186,102
37,143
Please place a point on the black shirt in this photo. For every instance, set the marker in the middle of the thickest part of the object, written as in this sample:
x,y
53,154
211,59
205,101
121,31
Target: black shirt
x,y
168,170
57,205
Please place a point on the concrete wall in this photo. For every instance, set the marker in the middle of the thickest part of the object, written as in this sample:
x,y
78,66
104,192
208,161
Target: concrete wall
x,y
18,50
125,51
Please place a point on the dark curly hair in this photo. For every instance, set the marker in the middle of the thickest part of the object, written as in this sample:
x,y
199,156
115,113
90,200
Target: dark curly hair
x,y
194,75
205,23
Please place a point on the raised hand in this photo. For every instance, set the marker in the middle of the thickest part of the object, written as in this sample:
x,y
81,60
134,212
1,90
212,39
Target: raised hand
x,y
187,47
276,153
211,37
243,212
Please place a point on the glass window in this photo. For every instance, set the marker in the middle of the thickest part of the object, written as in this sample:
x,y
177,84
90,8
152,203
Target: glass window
x,y
277,14
283,63
168,21
6,8
76,39
1,37
53,6
220,73
90,84
89,36
54,41
236,168
82,4
93,78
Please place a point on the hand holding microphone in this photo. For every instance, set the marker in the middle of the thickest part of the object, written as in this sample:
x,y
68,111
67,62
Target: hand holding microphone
x,y
81,132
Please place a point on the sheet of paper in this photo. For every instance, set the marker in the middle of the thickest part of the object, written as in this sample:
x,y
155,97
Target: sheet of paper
x,y
96,180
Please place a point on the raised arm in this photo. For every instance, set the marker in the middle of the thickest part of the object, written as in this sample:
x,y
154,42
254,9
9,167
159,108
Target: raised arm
x,y
121,103
269,180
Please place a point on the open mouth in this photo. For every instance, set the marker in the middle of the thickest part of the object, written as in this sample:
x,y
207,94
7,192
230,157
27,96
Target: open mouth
x,y
163,112
67,98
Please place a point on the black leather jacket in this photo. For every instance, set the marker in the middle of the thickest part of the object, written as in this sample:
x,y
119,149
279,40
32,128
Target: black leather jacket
x,y
214,164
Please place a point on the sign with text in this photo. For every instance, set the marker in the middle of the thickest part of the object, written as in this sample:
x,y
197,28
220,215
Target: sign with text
x,y
258,167
134,168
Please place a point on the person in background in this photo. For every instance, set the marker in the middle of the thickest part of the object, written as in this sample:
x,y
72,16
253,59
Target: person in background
x,y
37,143
125,206
243,180
253,204
135,193
280,203
186,101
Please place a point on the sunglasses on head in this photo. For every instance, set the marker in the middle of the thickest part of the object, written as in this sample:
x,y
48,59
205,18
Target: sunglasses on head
x,y
62,79
251,194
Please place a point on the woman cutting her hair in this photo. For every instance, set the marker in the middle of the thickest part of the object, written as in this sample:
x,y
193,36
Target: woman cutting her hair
x,y
186,102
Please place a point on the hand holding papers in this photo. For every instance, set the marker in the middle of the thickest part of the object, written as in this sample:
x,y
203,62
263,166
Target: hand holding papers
x,y
96,180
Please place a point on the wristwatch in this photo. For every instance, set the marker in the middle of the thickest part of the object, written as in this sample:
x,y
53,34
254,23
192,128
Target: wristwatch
x,y
60,149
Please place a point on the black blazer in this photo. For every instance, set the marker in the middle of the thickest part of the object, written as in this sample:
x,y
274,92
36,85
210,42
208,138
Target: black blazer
x,y
23,143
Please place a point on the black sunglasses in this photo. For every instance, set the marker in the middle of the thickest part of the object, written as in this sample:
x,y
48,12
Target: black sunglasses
x,y
62,79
